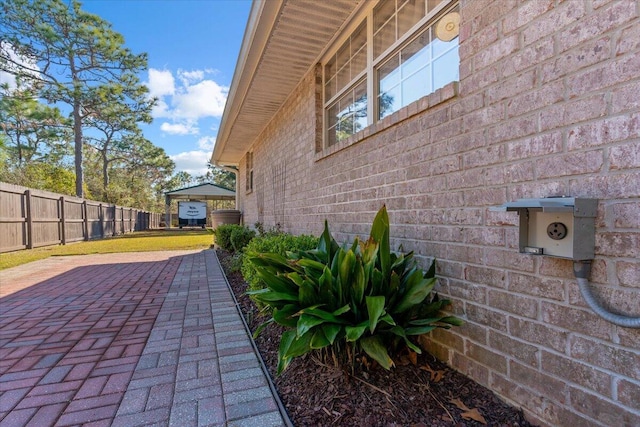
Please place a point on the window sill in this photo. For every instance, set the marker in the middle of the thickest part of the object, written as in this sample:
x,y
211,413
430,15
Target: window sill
x,y
441,95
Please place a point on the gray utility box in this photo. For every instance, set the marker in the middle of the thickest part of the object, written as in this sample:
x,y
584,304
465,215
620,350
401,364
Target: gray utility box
x,y
561,227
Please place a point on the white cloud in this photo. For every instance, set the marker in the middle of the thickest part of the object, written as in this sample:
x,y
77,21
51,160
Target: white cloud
x,y
18,62
8,78
179,128
204,99
186,98
161,109
207,143
192,162
161,83
191,76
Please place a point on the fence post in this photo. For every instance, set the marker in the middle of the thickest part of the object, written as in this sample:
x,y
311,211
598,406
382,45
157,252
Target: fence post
x,y
85,212
27,205
63,228
101,220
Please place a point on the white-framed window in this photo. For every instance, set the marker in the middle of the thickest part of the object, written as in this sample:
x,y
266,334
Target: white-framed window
x,y
399,51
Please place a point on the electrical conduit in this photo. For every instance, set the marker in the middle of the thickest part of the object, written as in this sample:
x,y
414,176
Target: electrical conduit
x,y
581,269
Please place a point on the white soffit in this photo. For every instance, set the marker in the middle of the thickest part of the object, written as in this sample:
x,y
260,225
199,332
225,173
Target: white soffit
x,y
283,40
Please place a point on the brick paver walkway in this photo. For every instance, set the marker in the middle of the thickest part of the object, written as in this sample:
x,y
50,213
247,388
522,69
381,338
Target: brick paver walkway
x,y
127,340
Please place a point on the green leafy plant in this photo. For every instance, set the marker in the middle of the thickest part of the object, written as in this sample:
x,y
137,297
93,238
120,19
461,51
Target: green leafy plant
x,y
358,298
240,237
272,242
223,235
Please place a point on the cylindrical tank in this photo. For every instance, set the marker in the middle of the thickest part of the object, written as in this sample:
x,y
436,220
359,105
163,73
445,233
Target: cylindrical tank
x,y
225,216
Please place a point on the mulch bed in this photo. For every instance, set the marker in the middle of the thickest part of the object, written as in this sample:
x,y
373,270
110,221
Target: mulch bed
x,y
419,392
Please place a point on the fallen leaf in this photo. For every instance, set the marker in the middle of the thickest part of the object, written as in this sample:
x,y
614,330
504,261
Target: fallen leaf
x,y
459,404
475,415
413,357
436,376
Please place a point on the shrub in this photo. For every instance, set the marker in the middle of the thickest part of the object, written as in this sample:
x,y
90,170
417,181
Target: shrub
x,y
358,298
223,235
232,263
272,242
240,237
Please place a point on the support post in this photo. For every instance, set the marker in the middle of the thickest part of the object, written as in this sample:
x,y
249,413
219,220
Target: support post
x,y
85,213
27,203
167,212
101,220
63,227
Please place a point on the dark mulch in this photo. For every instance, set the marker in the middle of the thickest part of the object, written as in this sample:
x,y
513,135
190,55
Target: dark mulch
x,y
418,393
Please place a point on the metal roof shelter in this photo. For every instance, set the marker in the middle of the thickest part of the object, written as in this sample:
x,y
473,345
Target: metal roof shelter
x,y
205,191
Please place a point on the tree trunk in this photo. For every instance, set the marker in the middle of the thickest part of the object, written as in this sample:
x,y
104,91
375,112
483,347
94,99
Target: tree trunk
x,y
105,174
77,133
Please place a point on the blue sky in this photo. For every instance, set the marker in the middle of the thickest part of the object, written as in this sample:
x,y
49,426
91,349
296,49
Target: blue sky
x,y
192,48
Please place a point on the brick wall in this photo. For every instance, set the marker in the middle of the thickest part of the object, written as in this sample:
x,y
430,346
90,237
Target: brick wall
x,y
548,104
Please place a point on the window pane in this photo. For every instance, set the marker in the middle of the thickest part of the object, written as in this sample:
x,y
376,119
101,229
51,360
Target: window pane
x,y
416,55
360,107
343,56
359,50
382,13
439,47
389,101
349,61
389,75
330,88
331,137
332,115
343,77
348,115
330,78
384,38
416,86
409,13
330,68
446,68
422,66
359,62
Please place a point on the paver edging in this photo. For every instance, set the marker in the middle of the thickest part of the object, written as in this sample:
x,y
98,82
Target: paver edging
x,y
263,366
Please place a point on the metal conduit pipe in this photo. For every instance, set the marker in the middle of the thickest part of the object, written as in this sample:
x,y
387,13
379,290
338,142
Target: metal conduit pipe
x,y
581,269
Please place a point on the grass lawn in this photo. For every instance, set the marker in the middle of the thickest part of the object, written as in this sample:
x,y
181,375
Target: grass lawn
x,y
142,241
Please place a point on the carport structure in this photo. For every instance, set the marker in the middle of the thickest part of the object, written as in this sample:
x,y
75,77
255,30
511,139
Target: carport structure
x,y
202,192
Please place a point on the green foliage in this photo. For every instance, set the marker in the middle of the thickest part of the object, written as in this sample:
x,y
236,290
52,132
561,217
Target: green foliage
x,y
232,263
218,176
223,235
35,132
240,237
49,177
362,297
272,242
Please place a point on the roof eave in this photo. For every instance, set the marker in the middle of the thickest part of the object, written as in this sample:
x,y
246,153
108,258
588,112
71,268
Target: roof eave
x,y
262,18
283,41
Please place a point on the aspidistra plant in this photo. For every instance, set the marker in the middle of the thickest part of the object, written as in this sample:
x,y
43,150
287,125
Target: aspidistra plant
x,y
362,296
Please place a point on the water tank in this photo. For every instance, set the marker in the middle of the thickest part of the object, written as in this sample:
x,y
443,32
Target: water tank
x,y
225,216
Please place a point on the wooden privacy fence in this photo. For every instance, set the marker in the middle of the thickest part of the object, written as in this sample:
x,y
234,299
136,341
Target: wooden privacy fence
x,y
32,218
